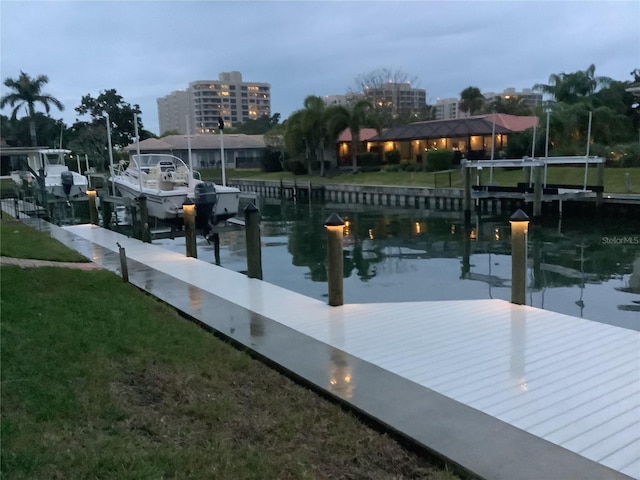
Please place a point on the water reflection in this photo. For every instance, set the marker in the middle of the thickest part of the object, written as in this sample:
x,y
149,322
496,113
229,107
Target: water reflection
x,y
518,355
408,254
416,254
340,377
195,299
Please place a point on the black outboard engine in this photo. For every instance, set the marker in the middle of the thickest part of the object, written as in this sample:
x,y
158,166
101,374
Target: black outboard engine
x,y
67,182
205,200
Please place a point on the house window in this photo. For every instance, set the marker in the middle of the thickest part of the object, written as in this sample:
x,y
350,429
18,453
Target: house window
x,y
477,142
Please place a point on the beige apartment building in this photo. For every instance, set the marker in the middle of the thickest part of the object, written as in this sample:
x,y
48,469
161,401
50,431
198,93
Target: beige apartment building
x,y
205,101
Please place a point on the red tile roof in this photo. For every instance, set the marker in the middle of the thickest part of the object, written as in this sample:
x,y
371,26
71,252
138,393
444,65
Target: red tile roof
x,y
365,134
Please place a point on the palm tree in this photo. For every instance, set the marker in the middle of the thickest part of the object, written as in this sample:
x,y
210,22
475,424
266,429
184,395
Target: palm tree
x,y
306,130
512,105
360,115
571,87
27,92
471,100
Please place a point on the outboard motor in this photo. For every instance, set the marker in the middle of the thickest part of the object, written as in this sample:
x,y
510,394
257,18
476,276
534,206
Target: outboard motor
x,y
67,182
205,200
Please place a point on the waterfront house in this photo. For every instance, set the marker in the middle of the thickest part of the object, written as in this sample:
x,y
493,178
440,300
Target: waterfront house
x,y
240,150
470,137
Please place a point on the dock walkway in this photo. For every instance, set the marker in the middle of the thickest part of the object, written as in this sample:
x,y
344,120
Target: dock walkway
x,y
505,391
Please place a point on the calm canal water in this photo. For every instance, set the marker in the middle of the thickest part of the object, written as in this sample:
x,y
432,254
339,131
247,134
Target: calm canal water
x,y
581,268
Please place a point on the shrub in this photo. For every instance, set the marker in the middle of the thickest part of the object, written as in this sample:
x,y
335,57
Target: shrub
x,y
271,161
369,161
297,167
392,157
439,160
624,155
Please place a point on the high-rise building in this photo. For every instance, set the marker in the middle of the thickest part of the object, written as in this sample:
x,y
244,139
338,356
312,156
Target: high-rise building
x,y
397,97
173,110
531,98
449,108
205,101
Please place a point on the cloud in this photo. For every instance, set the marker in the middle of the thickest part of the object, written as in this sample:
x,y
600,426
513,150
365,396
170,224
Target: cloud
x,y
146,49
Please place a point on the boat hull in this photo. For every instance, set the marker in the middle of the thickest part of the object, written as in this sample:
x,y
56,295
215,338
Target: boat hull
x,y
164,205
167,205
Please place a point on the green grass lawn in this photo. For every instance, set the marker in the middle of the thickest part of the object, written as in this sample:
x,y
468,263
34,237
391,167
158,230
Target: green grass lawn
x,y
102,381
614,178
20,241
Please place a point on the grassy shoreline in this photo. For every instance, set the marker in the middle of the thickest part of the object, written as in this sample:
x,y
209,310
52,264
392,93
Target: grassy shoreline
x,y
100,380
615,179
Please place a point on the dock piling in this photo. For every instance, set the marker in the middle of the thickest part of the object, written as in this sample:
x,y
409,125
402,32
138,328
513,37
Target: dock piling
x,y
123,263
145,233
519,227
93,210
189,216
252,233
335,231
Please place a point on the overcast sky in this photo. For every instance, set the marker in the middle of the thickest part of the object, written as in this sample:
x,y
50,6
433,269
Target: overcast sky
x,y
147,49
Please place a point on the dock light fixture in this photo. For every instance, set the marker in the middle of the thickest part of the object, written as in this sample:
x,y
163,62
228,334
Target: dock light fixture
x,y
335,232
189,217
93,210
519,228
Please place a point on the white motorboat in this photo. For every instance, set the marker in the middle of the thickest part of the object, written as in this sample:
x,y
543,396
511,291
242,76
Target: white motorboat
x,y
59,181
166,182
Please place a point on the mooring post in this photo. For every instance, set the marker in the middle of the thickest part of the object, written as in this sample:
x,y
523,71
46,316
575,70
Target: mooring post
x,y
123,263
215,236
15,207
189,217
335,231
537,194
519,228
252,233
467,193
107,209
145,233
93,210
600,191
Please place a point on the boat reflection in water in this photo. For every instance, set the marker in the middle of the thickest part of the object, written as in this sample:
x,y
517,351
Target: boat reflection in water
x,y
405,255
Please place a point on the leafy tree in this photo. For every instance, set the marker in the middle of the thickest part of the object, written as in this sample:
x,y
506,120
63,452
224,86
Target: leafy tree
x,y
17,132
372,86
27,92
121,115
471,100
91,139
170,132
260,125
354,118
274,139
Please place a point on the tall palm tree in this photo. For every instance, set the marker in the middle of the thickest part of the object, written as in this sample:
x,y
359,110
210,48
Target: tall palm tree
x,y
27,92
360,115
571,87
306,130
471,100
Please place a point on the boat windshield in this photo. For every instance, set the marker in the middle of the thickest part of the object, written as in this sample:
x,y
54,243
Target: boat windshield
x,y
56,158
166,163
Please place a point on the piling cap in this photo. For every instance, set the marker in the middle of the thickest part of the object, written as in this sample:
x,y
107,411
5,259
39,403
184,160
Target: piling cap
x,y
519,216
334,220
251,208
